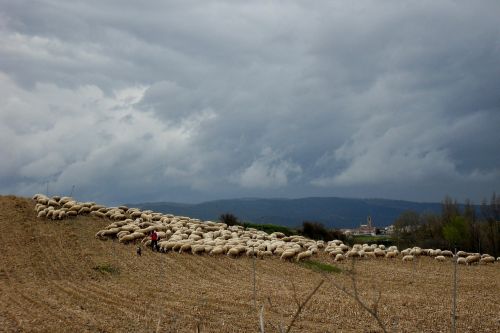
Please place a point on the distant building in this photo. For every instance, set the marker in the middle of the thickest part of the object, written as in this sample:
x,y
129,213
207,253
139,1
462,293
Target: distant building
x,y
389,230
364,229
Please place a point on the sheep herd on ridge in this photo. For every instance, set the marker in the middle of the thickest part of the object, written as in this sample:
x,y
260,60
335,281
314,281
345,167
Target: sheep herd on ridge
x,y
186,235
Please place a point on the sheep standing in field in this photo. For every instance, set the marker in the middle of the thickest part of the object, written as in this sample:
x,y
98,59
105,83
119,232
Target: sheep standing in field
x,y
461,261
339,257
391,254
447,253
217,250
304,255
408,257
487,260
440,258
287,255
472,259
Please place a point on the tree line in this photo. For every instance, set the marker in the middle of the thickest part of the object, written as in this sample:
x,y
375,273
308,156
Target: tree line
x,y
310,229
468,227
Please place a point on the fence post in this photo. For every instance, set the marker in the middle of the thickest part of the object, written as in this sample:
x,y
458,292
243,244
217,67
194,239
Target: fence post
x,y
454,296
254,288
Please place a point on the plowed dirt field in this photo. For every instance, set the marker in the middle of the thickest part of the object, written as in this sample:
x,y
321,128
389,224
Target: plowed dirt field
x,y
56,277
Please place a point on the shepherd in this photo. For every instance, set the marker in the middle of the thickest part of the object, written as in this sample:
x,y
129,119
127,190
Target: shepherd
x,y
154,240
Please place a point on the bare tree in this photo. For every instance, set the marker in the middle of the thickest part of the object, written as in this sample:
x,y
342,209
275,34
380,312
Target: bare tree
x,y
371,309
300,308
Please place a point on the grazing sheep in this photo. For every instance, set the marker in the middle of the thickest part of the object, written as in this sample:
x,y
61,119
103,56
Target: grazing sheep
x,y
472,259
416,251
41,199
198,249
391,254
131,237
352,254
370,255
233,252
339,257
97,214
75,208
217,250
69,204
185,248
52,203
344,247
461,261
304,255
447,253
122,233
440,258
251,252
408,257
84,210
487,260
71,213
287,255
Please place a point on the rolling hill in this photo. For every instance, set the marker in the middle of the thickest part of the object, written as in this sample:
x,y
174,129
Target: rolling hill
x,y
331,211
55,276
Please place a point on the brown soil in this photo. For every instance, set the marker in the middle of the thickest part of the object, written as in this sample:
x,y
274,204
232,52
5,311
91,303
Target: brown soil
x,y
56,277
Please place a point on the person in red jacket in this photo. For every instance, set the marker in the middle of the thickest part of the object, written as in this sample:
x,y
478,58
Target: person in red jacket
x,y
154,240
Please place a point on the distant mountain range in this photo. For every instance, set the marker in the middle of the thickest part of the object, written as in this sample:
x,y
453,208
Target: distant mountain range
x,y
331,211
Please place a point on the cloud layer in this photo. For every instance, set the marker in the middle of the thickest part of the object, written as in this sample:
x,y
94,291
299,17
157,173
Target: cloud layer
x,y
194,100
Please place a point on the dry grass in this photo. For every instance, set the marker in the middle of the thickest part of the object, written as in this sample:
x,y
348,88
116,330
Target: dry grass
x,y
49,283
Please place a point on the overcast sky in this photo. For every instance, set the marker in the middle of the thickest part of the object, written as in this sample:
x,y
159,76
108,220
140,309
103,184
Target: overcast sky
x,y
134,101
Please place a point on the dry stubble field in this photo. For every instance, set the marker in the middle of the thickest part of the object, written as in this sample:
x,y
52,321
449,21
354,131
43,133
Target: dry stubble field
x,y
49,283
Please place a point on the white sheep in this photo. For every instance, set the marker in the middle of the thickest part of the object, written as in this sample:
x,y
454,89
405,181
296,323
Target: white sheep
x,y
391,254
198,249
217,250
447,253
408,257
234,251
304,255
352,254
287,255
472,259
487,260
339,257
370,255
71,213
440,258
379,252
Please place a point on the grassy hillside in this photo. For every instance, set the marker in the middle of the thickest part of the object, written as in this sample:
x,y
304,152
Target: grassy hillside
x,y
56,277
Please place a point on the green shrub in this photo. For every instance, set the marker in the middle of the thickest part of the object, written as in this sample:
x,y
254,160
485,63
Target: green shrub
x,y
105,269
270,228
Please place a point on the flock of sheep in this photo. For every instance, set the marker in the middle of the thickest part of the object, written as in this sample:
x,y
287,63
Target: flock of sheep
x,y
185,235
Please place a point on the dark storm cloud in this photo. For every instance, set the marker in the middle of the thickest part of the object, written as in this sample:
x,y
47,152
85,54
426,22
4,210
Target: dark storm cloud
x,y
188,100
